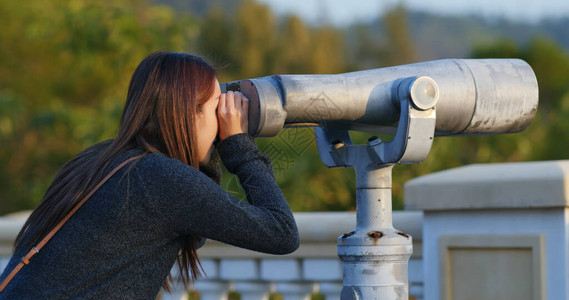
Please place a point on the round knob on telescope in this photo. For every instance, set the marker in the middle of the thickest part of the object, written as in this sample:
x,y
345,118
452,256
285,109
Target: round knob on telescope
x,y
424,93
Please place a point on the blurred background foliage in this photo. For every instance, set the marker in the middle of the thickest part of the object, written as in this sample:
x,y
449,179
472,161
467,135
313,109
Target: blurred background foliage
x,y
65,67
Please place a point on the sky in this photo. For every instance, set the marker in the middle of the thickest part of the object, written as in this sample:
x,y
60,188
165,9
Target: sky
x,y
344,12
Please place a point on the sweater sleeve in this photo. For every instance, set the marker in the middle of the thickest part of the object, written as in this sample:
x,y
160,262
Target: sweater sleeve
x,y
188,202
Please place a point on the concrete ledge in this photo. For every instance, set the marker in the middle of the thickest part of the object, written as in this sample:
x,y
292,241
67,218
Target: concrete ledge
x,y
482,186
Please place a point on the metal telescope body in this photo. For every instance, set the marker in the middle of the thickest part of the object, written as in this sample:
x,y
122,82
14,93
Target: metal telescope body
x,y
475,97
414,103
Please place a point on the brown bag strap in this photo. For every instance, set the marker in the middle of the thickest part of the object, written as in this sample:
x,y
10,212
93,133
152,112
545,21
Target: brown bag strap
x,y
37,248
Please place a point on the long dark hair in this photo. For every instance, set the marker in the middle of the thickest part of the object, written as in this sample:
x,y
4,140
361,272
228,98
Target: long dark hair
x,y
166,91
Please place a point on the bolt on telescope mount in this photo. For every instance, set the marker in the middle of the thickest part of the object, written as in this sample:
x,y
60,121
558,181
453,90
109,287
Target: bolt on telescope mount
x,y
375,255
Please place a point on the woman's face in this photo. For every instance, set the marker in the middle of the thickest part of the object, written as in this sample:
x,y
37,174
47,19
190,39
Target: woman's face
x,y
207,126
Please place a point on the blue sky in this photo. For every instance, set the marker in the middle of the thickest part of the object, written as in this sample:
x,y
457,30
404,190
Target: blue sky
x,y
342,12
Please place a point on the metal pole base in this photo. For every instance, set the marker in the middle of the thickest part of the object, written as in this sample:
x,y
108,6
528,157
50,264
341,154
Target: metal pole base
x,y
375,264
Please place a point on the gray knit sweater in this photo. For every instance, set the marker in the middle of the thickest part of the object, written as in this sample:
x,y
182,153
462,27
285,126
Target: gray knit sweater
x,y
122,243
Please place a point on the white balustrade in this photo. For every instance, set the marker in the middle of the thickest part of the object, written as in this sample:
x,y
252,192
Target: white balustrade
x,y
295,290
331,290
212,290
252,290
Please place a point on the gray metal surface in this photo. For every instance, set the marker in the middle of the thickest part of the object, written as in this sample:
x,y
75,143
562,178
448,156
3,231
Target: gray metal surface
x,y
412,139
375,255
475,97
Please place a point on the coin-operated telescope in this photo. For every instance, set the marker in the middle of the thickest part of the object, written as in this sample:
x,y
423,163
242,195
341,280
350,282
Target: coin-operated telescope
x,y
414,103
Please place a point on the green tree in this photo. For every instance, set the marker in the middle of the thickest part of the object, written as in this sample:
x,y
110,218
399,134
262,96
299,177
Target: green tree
x,y
294,44
327,51
63,78
65,70
215,38
255,40
551,65
545,138
399,48
367,51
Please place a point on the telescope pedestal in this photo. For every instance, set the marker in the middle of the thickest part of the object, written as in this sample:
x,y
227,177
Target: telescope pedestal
x,y
375,255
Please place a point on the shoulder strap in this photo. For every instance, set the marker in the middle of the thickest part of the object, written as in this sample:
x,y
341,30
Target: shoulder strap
x,y
37,248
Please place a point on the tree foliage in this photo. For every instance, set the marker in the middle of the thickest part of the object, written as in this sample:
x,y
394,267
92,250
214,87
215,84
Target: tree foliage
x,y
65,67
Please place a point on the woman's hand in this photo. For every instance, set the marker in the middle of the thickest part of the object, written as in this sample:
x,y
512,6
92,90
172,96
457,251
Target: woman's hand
x,y
232,113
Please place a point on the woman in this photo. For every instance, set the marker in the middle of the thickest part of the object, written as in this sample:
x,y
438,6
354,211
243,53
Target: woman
x,y
157,209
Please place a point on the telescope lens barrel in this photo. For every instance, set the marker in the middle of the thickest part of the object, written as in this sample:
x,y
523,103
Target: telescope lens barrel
x,y
486,96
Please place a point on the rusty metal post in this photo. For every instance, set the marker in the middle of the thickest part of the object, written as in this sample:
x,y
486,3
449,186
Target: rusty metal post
x,y
375,255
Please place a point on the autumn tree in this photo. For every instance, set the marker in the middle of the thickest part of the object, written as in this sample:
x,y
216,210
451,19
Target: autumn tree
x,y
398,45
294,44
63,79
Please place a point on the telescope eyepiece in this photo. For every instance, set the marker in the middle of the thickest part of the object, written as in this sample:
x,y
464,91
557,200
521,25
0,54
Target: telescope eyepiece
x,y
233,86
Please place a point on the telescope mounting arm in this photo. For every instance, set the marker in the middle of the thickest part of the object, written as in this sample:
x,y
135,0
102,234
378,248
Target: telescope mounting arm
x,y
412,140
